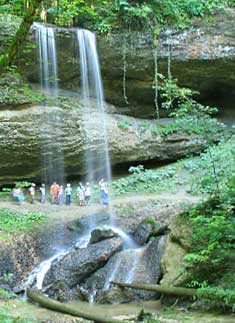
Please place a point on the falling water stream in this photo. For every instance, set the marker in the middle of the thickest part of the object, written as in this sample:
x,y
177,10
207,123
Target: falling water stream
x,y
92,91
51,123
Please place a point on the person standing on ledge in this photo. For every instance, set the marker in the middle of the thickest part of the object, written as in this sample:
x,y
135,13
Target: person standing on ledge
x,y
32,192
104,192
42,190
81,194
54,193
68,192
60,195
87,193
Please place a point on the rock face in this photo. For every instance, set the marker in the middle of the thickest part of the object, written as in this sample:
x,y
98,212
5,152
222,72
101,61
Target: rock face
x,y
29,135
78,264
202,58
177,244
15,265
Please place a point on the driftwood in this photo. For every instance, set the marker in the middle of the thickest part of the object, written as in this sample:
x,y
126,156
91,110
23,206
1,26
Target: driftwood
x,y
39,298
168,290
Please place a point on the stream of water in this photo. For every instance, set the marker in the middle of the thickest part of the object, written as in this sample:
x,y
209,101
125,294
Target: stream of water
x,y
51,123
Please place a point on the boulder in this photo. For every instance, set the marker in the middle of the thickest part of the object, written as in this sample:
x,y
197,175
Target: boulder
x,y
177,245
89,222
144,230
101,233
78,264
131,265
42,139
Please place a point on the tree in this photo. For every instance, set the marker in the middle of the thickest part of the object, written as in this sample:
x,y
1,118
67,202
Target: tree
x,y
7,59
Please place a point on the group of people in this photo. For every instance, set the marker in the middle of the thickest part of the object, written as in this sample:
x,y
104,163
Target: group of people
x,y
58,192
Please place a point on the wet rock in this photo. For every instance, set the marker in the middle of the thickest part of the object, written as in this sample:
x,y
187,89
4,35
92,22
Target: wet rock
x,y
86,223
79,264
139,265
101,233
145,229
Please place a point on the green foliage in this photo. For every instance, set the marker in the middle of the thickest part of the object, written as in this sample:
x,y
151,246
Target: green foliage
x,y
152,181
7,319
213,239
222,157
77,12
22,184
218,295
14,7
124,124
5,295
136,169
205,126
180,100
211,258
14,91
105,15
11,221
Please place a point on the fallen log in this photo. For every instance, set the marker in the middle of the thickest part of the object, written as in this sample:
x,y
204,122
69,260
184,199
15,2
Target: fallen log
x,y
168,290
51,304
220,295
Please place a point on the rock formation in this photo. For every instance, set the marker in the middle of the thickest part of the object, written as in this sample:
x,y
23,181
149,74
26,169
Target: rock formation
x,y
24,136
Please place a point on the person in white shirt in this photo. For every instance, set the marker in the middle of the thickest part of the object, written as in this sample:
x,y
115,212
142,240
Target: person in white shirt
x,y
68,193
32,192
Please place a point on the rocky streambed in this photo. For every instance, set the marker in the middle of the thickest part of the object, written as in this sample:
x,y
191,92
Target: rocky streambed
x,y
137,246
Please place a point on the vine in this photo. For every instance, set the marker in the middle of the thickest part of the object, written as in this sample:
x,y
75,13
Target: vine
x,y
169,58
124,52
156,33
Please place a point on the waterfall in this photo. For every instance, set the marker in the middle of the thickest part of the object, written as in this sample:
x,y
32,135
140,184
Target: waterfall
x,y
50,132
92,95
97,161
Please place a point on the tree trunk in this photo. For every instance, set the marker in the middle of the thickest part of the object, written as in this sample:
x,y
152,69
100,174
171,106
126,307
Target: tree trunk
x,y
174,291
63,308
7,59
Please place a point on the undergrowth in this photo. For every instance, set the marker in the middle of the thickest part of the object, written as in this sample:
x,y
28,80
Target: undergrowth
x,y
7,319
11,221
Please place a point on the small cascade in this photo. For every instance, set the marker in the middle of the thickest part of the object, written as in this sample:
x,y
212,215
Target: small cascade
x,y
113,273
43,269
52,154
137,254
38,274
131,248
129,243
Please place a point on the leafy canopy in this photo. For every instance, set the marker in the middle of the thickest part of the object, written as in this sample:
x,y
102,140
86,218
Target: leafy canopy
x,y
111,14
